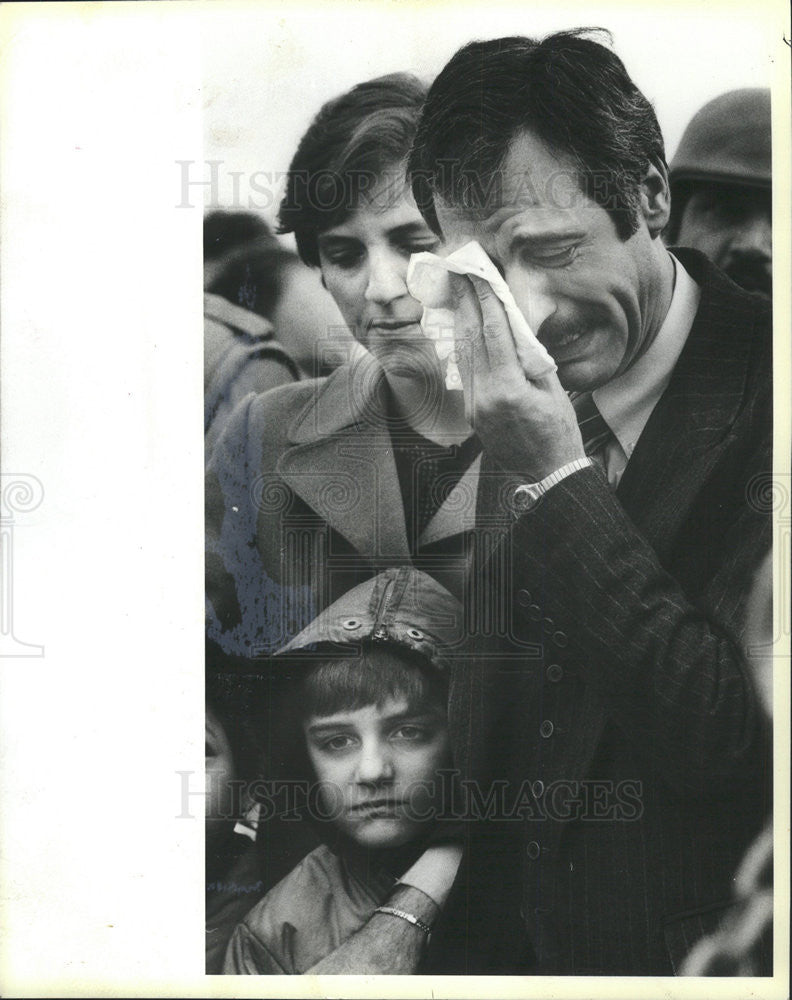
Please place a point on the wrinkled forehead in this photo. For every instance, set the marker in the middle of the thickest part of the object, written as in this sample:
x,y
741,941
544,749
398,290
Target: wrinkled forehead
x,y
533,187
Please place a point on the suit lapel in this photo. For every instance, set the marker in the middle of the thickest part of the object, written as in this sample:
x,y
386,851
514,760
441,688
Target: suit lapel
x,y
341,462
689,428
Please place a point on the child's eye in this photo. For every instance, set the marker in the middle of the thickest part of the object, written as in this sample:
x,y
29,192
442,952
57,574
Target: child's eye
x,y
411,734
337,743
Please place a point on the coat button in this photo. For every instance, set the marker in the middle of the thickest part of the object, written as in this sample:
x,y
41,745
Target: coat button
x,y
546,729
523,598
533,850
415,633
560,639
350,624
555,672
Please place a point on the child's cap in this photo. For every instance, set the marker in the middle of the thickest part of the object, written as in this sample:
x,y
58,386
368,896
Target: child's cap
x,y
403,606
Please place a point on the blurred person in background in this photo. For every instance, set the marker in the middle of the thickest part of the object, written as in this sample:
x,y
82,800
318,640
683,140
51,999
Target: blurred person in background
x,y
721,197
241,352
234,705
261,275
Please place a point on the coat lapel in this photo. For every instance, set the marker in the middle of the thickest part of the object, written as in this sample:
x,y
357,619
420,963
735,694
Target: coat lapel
x,y
689,428
457,514
341,462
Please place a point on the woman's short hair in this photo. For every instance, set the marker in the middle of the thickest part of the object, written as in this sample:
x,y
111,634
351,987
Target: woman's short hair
x,y
352,141
569,90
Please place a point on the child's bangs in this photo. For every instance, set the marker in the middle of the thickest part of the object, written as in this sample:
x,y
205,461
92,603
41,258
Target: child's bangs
x,y
374,677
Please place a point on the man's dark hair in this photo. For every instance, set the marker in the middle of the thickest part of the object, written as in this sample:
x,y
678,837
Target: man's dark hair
x,y
572,93
351,142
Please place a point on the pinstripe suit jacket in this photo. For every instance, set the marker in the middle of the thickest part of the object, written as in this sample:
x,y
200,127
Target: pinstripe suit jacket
x,y
631,712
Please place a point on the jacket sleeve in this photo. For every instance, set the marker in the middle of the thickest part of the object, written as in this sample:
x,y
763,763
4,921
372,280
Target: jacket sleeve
x,y
247,955
667,665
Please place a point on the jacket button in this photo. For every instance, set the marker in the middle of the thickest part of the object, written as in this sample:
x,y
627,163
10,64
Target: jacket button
x,y
523,598
546,729
555,672
350,624
533,850
560,639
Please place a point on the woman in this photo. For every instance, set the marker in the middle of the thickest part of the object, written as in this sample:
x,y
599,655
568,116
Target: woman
x,y
316,486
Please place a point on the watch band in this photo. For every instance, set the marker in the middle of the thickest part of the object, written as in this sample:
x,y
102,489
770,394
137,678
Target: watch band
x,y
527,495
404,915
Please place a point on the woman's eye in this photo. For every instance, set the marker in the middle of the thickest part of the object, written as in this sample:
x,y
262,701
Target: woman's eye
x,y
347,259
420,246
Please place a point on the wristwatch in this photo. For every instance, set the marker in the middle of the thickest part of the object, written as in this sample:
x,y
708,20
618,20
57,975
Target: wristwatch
x,y
528,495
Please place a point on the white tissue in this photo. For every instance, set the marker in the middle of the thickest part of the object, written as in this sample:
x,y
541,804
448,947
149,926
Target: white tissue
x,y
429,284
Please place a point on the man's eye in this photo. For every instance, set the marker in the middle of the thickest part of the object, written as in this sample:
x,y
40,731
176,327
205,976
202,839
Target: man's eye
x,y
552,258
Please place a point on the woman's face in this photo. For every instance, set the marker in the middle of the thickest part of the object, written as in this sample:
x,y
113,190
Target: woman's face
x,y
364,265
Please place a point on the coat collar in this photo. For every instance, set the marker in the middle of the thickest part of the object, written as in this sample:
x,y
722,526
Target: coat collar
x,y
341,465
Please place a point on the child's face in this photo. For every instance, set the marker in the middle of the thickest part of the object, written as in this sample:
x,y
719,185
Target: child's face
x,y
379,766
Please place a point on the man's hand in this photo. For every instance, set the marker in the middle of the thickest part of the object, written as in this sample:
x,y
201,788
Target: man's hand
x,y
527,427
388,945
385,945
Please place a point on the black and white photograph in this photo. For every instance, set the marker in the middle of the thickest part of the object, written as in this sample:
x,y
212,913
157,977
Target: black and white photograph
x,y
477,568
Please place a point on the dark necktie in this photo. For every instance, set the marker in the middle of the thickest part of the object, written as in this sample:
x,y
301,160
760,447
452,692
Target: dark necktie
x,y
592,424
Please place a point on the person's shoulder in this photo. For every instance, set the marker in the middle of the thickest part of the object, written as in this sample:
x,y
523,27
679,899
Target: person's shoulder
x,y
720,294
296,899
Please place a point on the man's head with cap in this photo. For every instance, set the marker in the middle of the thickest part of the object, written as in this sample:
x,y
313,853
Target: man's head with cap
x,y
721,187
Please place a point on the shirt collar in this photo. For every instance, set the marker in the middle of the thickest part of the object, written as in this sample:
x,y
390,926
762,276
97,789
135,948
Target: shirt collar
x,y
627,401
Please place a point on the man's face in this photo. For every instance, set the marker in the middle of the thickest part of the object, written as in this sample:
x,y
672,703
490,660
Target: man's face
x,y
364,265
591,297
378,766
732,226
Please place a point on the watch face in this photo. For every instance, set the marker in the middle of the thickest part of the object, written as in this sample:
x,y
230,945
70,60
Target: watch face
x,y
525,497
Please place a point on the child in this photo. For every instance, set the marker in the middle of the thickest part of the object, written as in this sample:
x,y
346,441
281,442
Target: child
x,y
373,729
